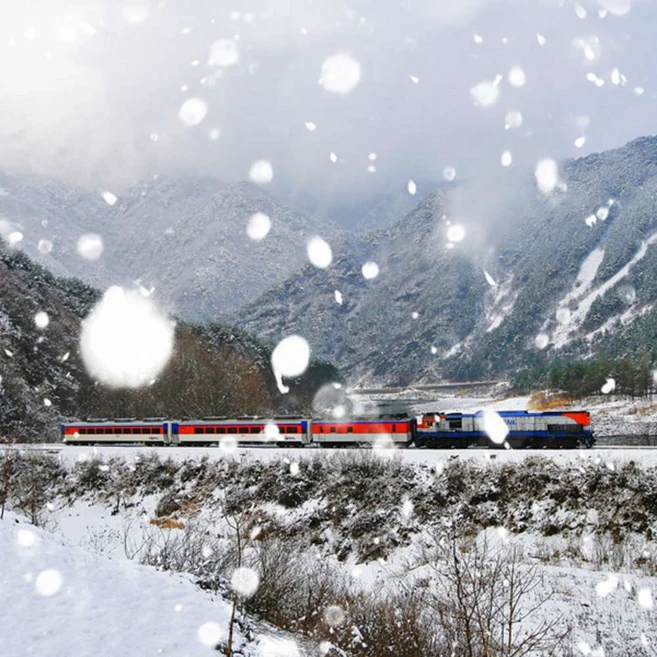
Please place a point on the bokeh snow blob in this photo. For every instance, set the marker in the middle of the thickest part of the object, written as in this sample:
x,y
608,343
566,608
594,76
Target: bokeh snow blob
x,y
617,7
495,427
319,252
517,77
244,581
370,270
90,246
224,53
48,582
209,633
547,175
261,172
193,111
340,74
258,226
334,616
41,319
485,94
125,340
289,359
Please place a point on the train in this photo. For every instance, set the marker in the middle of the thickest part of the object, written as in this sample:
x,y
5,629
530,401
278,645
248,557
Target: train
x,y
520,429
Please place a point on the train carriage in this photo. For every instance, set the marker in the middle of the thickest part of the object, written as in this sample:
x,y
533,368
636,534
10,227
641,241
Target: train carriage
x,y
155,431
286,431
339,433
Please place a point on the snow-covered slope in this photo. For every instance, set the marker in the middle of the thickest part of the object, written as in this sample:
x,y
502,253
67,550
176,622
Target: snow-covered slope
x,y
511,277
62,601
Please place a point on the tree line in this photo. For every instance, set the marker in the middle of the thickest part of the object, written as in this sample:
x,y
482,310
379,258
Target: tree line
x,y
632,376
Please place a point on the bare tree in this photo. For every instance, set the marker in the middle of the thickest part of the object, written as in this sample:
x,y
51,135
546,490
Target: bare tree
x,y
239,522
7,473
485,599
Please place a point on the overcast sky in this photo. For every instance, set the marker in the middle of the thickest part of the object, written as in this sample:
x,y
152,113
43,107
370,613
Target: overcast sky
x,y
92,91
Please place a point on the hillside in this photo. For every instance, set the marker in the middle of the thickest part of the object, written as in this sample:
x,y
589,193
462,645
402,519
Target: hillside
x,y
184,237
215,369
536,277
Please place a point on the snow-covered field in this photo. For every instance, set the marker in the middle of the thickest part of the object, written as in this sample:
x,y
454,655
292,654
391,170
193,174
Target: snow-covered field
x,y
60,600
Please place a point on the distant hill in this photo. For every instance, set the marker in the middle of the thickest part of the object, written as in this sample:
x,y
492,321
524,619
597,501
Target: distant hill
x,y
187,238
215,369
536,278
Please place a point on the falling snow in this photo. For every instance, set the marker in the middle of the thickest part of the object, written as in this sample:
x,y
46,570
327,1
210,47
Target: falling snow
x,y
542,340
126,341
337,295
109,198
455,233
340,74
512,119
41,319
258,227
48,582
370,270
517,77
224,53
547,175
290,359
261,172
90,246
644,598
485,94
244,581
193,111
608,387
209,634
607,586
319,252
506,159
411,187
44,246
449,173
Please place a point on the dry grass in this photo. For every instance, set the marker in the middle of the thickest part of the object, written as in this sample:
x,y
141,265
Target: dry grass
x,y
545,401
649,409
167,523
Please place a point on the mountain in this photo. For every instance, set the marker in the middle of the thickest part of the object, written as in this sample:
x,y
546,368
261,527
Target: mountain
x,y
215,369
537,277
186,238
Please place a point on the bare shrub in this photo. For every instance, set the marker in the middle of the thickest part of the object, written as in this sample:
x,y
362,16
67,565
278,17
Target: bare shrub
x,y
33,483
485,598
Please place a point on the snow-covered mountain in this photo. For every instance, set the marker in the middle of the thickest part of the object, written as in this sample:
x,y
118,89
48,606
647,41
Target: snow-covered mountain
x,y
186,238
43,378
488,277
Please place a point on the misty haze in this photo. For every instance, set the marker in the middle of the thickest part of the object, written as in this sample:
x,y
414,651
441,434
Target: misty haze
x,y
328,328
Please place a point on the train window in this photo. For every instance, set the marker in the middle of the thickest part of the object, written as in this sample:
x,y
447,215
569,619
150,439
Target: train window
x,y
255,429
198,429
221,429
394,427
293,430
332,429
232,429
350,429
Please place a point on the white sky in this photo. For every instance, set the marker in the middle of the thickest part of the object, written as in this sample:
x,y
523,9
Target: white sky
x,y
92,90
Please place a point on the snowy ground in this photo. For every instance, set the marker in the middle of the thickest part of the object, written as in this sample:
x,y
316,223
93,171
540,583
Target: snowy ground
x,y
61,600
